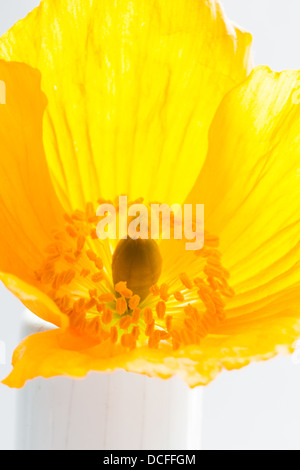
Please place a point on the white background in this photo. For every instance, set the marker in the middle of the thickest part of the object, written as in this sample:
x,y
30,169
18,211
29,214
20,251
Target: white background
x,y
257,407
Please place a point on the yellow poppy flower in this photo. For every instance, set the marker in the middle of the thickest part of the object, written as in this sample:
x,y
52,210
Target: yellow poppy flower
x,y
151,99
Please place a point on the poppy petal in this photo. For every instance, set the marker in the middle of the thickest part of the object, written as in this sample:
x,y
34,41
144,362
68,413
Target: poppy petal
x,y
29,208
132,89
35,300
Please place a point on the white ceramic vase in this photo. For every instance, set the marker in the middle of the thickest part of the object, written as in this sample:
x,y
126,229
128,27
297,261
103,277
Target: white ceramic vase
x,y
119,411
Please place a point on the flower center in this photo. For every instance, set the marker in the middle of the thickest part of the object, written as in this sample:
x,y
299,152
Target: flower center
x,y
139,263
102,293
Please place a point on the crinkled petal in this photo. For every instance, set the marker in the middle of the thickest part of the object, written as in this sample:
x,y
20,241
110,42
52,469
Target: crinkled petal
x,y
35,300
250,188
29,208
132,89
58,352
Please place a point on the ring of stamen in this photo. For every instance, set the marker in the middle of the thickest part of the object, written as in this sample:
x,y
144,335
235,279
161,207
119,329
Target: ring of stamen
x,y
77,273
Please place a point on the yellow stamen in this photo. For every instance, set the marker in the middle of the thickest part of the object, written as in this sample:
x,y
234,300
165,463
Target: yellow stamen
x,y
179,296
148,315
76,274
121,305
114,334
121,288
107,297
161,309
125,322
154,290
150,328
164,292
107,316
168,320
97,277
136,315
134,302
186,280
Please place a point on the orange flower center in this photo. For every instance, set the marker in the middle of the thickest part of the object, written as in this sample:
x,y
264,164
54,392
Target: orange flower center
x,y
110,291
